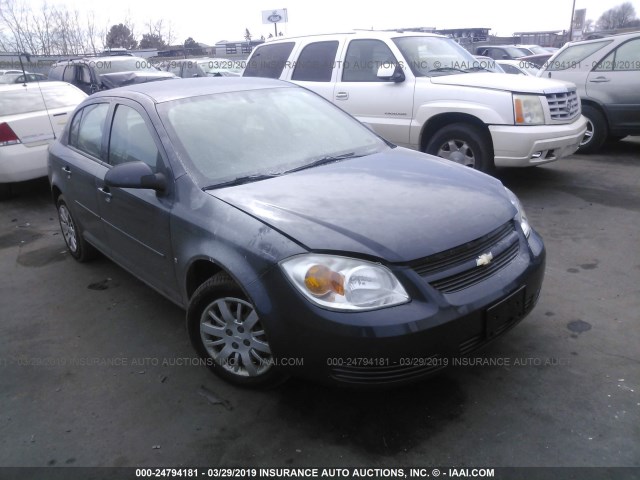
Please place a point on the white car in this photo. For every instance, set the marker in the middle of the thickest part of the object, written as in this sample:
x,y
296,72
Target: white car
x,y
519,67
426,92
31,117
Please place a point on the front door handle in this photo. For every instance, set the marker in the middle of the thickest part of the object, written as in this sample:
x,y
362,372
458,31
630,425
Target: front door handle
x,y
600,80
107,194
342,96
67,171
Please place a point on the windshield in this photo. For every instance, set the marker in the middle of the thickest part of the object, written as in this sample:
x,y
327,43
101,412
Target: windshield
x,y
228,136
538,50
430,56
128,64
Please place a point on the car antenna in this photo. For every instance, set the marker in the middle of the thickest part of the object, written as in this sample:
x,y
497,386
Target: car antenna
x,y
24,75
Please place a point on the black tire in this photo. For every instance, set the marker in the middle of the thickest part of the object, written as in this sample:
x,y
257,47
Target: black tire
x,y
614,138
464,144
234,343
597,130
78,247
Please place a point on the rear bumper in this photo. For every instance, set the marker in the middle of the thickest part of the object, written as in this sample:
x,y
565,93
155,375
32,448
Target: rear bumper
x,y
524,146
19,163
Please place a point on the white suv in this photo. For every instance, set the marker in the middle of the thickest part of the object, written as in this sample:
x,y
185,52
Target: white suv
x,y
607,74
425,92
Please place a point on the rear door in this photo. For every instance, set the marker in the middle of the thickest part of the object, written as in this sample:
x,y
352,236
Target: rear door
x,y
81,165
137,221
615,83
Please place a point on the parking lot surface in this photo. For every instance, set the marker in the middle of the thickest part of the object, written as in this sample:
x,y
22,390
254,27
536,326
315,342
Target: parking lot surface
x,y
96,368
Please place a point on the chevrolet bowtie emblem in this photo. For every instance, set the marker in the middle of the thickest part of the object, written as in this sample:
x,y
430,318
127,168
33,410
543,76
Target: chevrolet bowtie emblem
x,y
484,259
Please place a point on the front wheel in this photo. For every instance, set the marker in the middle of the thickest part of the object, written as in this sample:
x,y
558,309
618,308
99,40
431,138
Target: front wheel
x,y
225,330
464,144
596,132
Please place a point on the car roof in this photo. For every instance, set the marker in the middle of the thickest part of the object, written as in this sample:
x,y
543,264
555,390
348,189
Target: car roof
x,y
618,36
108,58
381,34
160,92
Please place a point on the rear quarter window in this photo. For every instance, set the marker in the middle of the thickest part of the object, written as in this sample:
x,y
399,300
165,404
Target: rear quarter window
x,y
269,60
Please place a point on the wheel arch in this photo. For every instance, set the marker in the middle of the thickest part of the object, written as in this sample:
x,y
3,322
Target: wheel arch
x,y
439,121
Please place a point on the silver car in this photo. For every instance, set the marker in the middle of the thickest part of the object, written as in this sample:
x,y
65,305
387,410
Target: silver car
x,y
607,74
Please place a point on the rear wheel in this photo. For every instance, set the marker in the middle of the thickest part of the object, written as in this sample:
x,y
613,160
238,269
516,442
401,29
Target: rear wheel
x,y
464,144
78,247
225,329
596,132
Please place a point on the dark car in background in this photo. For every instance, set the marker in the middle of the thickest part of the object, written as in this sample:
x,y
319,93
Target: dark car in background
x,y
501,52
102,73
311,248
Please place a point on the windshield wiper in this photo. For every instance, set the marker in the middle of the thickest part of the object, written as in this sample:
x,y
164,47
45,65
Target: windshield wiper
x,y
322,161
476,69
447,69
242,180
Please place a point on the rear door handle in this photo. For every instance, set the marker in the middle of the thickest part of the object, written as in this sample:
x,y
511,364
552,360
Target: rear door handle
x,y
342,96
600,80
67,170
107,194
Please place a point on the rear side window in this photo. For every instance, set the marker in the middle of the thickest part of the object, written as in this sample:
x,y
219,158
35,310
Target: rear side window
x,y
86,129
572,56
69,74
316,62
131,139
269,60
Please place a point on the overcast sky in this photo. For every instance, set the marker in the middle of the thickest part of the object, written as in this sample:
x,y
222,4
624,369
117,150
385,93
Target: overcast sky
x,y
211,21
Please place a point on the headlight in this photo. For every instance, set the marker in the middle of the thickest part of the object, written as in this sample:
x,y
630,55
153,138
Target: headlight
x,y
528,109
521,216
341,283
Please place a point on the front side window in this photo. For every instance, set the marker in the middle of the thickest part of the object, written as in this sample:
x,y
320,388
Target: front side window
x,y
364,58
87,128
131,139
316,62
269,60
624,58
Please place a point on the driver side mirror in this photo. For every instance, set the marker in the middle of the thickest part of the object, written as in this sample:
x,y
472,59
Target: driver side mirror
x,y
390,72
135,175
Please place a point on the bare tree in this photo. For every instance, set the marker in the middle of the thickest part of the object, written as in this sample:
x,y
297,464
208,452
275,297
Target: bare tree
x,y
617,17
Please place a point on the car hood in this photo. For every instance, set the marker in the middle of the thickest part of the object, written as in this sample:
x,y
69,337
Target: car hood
x,y
398,205
120,79
503,81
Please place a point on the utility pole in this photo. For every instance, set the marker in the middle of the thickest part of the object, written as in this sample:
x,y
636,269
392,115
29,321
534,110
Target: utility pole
x,y
573,9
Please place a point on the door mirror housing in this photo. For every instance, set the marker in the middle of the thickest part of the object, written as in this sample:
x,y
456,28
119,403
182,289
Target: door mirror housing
x,y
135,175
390,72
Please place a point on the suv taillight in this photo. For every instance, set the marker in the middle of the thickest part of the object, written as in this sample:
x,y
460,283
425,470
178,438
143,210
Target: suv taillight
x,y
7,137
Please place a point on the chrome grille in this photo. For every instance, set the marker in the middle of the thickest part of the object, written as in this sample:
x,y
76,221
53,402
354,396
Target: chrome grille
x,y
563,106
456,269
